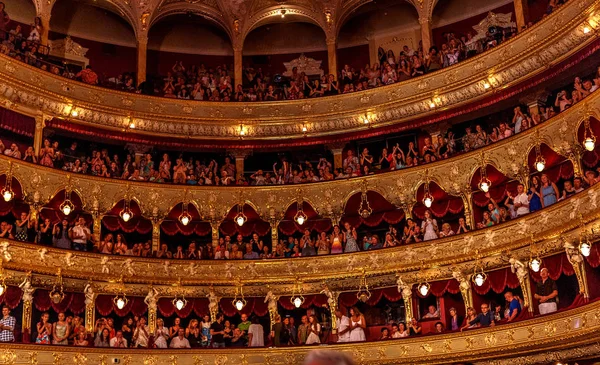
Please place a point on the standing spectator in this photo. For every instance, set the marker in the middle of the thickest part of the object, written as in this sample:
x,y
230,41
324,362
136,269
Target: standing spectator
x,y
303,330
118,340
4,18
343,326
217,330
8,322
256,334
514,307
546,292
521,201
80,234
141,335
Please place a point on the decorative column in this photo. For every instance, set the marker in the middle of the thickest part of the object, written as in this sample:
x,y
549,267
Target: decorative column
x,y
38,134
373,50
518,268
44,11
214,228
575,155
97,227
521,13
237,67
142,53
337,149
467,198
27,298
426,34
578,263
90,309
239,155
465,288
332,57
156,234
274,231
150,301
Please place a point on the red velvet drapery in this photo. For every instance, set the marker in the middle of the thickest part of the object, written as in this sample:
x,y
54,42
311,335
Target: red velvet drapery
x,y
439,288
594,258
16,206
590,158
383,210
135,306
12,296
113,222
557,166
317,300
497,281
315,222
443,203
349,299
254,223
501,184
198,305
253,305
52,209
557,265
73,302
17,122
171,225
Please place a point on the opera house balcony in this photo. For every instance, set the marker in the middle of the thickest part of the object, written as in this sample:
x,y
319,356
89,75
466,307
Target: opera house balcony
x,y
309,182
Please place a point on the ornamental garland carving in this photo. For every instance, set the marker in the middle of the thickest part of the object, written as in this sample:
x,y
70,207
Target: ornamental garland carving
x,y
556,38
576,337
99,195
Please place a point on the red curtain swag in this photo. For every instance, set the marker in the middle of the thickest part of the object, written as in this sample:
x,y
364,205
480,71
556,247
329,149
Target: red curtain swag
x,y
135,306
443,203
73,302
383,210
16,206
439,288
17,123
199,306
497,281
349,299
556,265
52,209
12,296
253,305
254,224
171,228
319,225
594,258
317,300
497,192
135,224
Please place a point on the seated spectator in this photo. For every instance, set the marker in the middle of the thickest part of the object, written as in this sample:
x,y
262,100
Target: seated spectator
x,y
88,76
483,319
432,312
514,307
180,342
118,340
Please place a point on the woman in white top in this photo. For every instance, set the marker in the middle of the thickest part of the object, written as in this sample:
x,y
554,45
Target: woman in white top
x,y
161,335
314,329
429,227
357,325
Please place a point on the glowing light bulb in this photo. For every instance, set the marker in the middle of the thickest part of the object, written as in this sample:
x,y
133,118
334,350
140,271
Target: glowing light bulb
x,y
589,144
179,304
2,289
74,113
66,210
586,30
304,129
485,187
300,220
585,248
540,165
297,302
132,125
424,289
486,85
428,201
432,105
239,305
120,303
479,279
185,220
535,264
126,216
7,195
240,221
366,121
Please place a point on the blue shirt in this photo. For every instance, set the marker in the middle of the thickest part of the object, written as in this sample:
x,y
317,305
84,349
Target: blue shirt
x,y
514,304
483,319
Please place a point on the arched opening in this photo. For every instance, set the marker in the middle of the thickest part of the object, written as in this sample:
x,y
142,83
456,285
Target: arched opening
x,y
268,47
99,26
135,232
182,227
253,231
387,24
499,187
443,209
189,49
549,173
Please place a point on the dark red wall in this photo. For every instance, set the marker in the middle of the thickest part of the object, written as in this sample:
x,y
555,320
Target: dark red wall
x,y
357,57
466,26
160,62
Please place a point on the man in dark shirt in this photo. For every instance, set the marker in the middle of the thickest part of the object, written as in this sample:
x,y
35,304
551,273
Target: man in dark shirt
x,y
514,307
485,318
217,330
547,293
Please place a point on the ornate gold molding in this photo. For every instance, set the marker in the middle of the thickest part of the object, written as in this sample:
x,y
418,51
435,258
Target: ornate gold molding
x,y
535,338
28,90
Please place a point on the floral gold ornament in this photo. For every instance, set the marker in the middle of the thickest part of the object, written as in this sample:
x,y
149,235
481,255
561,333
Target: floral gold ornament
x,y
282,12
239,303
7,192
297,299
363,294
57,293
589,139
2,279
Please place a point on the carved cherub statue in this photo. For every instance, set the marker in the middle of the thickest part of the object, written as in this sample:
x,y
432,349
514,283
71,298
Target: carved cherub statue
x,y
69,259
213,303
271,299
166,266
151,298
518,268
88,291
191,269
4,251
128,266
43,252
573,254
252,269
462,280
104,265
331,300
229,271
403,288
27,288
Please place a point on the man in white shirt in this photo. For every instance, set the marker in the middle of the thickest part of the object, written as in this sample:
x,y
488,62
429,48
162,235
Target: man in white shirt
x,y
118,340
140,335
256,334
521,201
80,234
343,326
180,342
432,312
